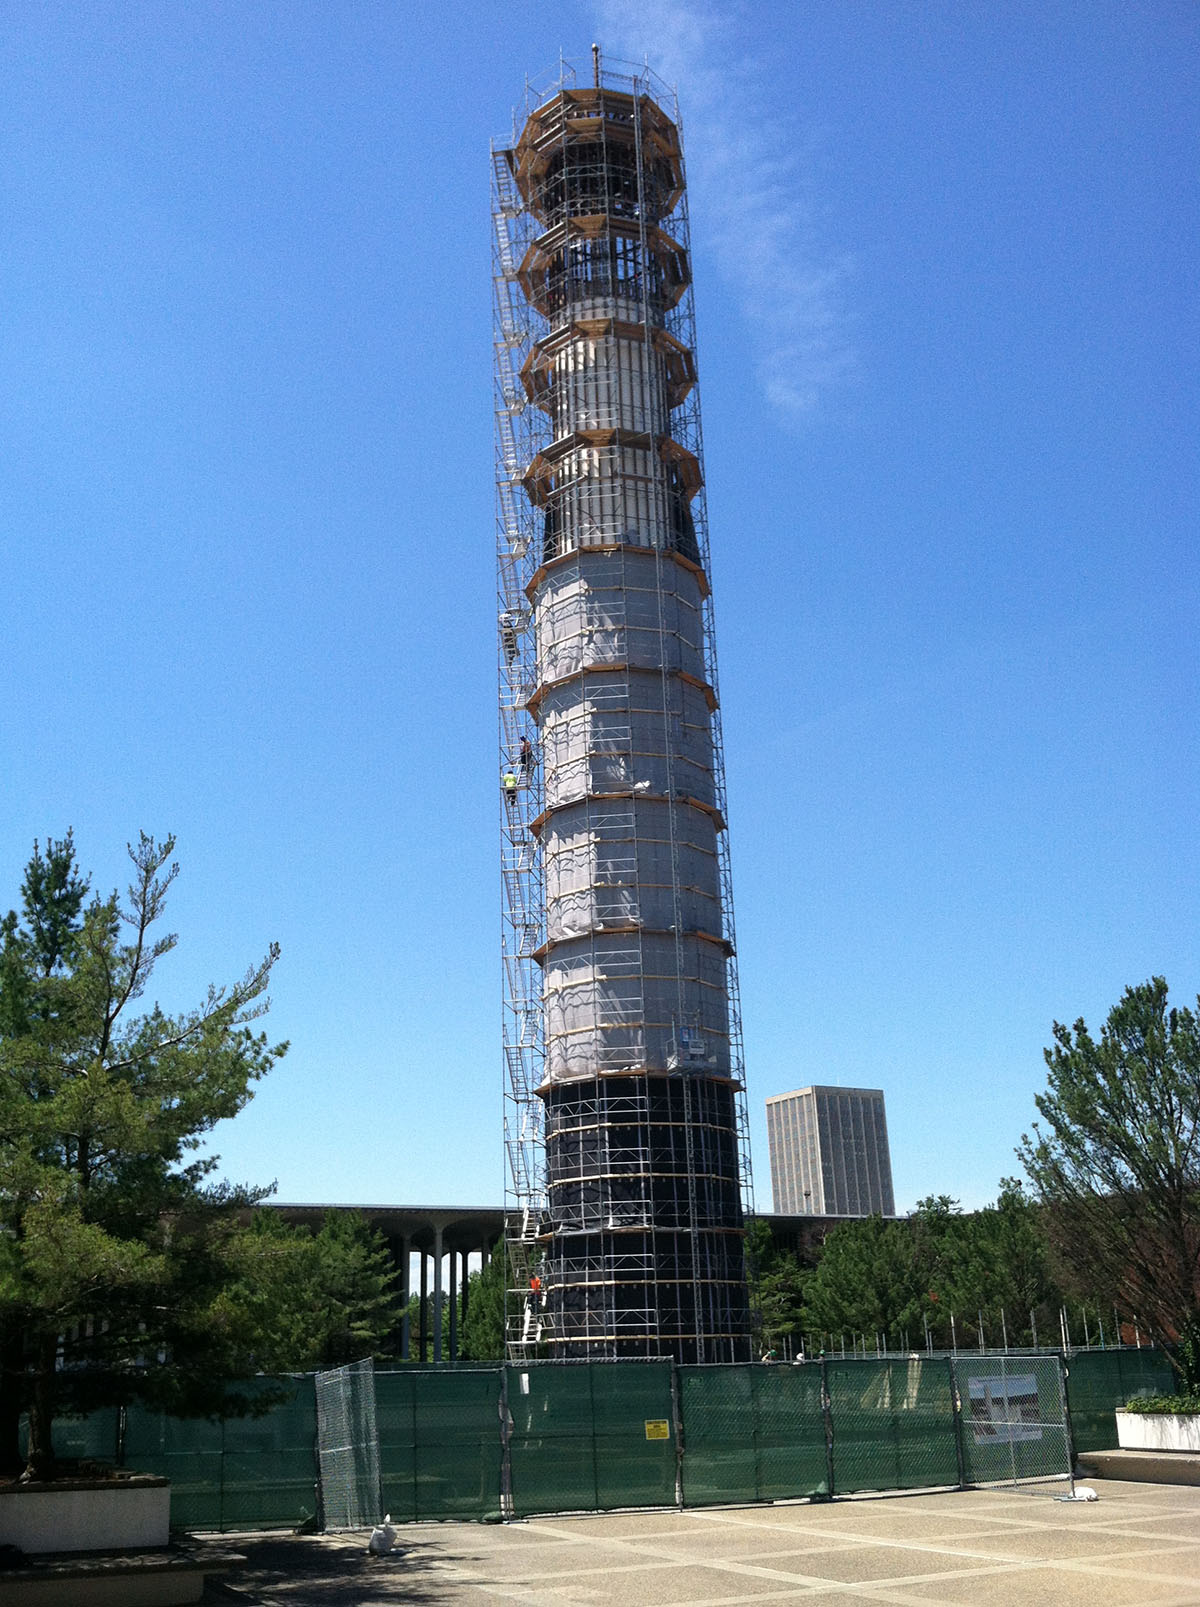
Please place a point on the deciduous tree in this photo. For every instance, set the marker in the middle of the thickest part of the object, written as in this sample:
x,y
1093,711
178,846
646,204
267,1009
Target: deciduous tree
x,y
1117,1162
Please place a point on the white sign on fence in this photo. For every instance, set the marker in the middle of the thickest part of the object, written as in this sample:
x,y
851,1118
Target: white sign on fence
x,y
1005,1409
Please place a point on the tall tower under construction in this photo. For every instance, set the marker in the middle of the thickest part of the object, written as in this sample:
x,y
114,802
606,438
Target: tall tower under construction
x,y
625,1112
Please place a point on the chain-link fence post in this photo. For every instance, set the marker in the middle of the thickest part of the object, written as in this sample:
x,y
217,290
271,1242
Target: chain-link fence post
x,y
221,1482
1066,1419
827,1419
506,1491
956,1400
677,1430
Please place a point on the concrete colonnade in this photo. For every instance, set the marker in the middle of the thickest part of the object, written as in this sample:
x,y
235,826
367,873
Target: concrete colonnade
x,y
443,1241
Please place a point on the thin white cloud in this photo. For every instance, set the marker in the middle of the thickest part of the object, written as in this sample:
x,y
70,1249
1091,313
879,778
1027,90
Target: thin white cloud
x,y
748,186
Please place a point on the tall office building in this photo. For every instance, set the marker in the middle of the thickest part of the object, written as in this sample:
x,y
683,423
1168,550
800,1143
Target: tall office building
x,y
625,1115
829,1153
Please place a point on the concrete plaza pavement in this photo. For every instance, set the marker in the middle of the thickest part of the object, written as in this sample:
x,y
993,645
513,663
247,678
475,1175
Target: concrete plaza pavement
x,y
1138,1545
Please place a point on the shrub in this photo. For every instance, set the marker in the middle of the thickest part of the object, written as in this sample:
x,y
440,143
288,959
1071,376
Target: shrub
x,y
1159,1405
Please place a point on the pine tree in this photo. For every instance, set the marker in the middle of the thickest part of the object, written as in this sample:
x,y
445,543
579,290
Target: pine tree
x,y
483,1328
116,1246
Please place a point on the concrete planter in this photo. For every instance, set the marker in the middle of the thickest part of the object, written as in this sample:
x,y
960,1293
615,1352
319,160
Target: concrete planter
x,y
86,1515
1158,1431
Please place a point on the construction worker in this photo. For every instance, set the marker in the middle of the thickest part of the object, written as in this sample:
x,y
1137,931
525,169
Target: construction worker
x,y
510,784
526,756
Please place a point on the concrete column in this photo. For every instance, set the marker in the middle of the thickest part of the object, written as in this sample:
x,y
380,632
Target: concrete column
x,y
438,1253
405,1279
466,1284
454,1305
423,1324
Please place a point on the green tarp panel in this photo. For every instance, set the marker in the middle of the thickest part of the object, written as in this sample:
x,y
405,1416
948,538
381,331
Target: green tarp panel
x,y
716,1407
439,1443
751,1433
1013,1421
789,1428
1098,1381
270,1472
245,1473
95,1437
893,1424
586,1436
187,1451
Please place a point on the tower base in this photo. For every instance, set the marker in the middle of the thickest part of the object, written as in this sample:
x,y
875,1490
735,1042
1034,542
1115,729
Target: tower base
x,y
644,1255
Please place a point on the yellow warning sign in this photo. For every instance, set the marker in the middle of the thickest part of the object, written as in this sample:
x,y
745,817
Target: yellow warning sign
x,y
657,1428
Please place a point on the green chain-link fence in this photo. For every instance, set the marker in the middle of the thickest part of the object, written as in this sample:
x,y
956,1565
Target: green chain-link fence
x,y
94,1438
893,1424
478,1442
590,1435
1098,1381
752,1434
348,1446
1014,1423
245,1473
439,1443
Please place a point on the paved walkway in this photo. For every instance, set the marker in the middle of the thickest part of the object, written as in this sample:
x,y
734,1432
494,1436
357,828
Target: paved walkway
x,y
1137,1546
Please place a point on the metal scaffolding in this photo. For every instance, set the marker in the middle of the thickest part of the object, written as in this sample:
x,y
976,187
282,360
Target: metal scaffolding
x,y
628,1173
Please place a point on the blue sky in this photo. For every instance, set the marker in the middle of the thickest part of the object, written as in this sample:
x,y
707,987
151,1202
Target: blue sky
x,y
946,292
